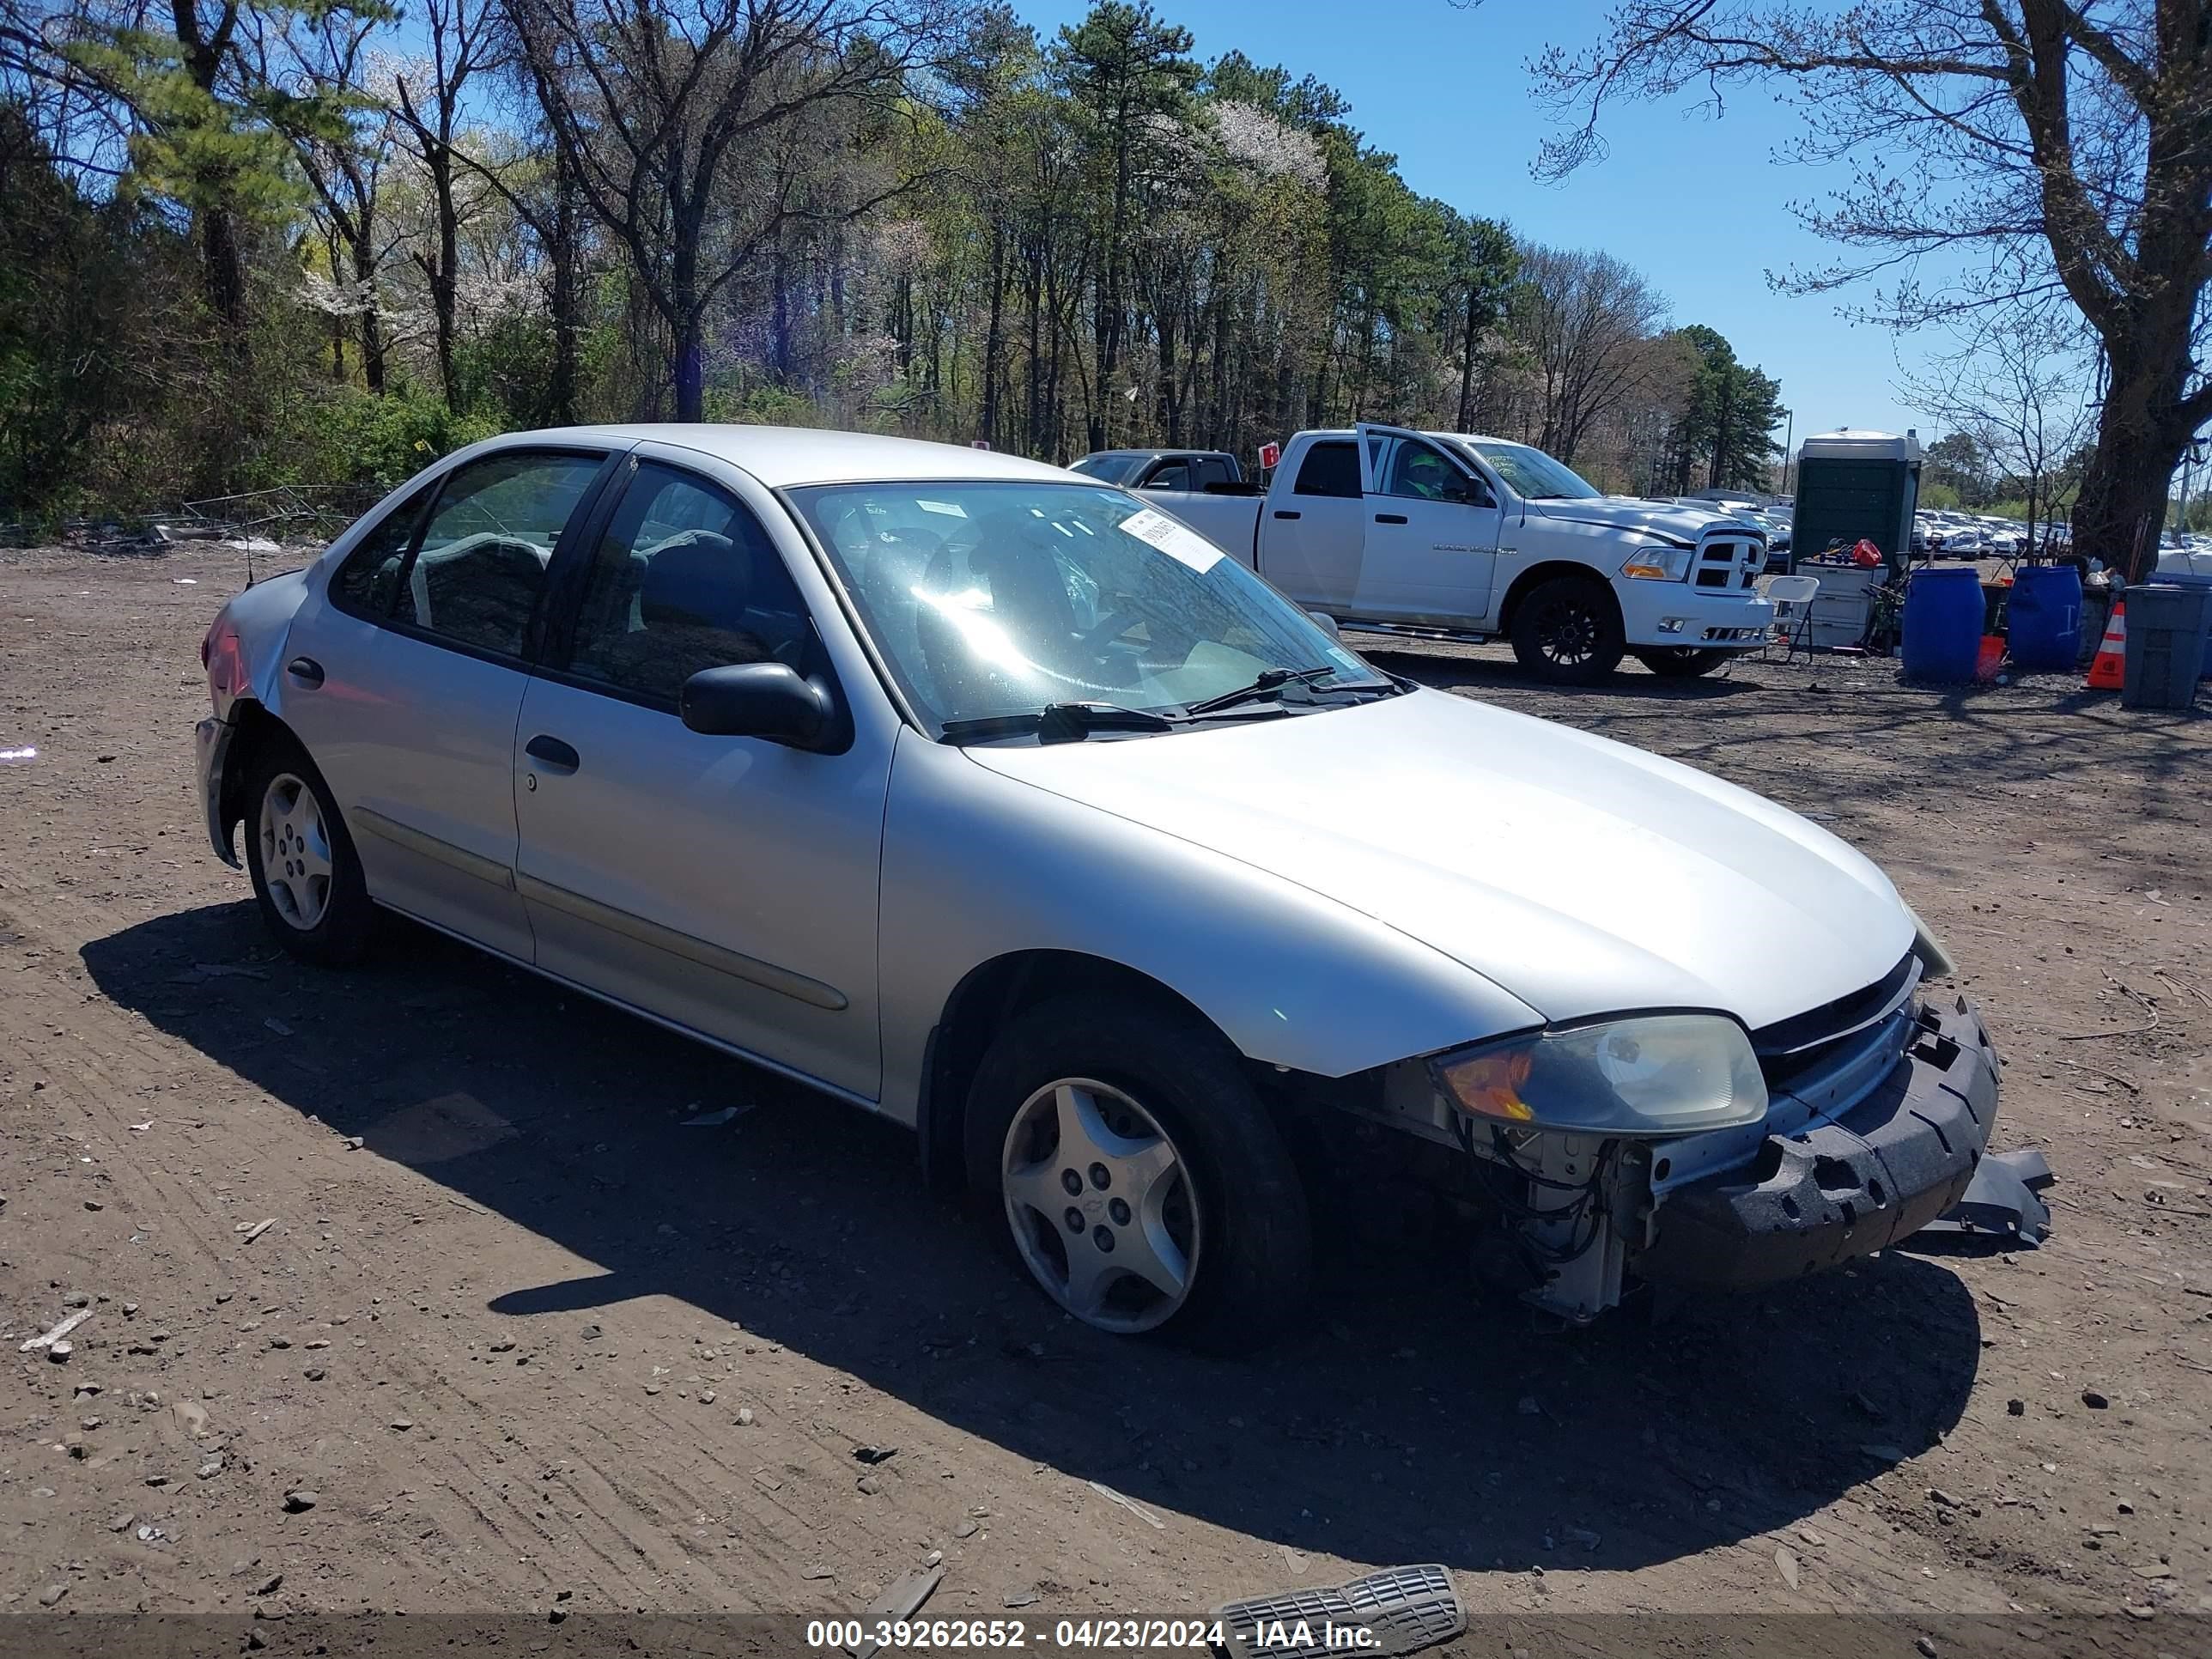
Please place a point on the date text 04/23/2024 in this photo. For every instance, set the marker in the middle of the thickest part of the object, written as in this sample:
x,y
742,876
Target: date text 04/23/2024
x,y
1269,1636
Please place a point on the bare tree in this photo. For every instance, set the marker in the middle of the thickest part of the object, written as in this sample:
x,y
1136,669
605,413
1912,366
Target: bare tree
x,y
1589,323
314,61
462,41
2065,142
666,112
2018,384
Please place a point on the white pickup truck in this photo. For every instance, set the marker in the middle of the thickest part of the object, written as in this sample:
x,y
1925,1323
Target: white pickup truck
x,y
1439,534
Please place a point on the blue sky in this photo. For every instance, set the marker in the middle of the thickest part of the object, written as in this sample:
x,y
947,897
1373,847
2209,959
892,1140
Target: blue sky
x,y
1701,206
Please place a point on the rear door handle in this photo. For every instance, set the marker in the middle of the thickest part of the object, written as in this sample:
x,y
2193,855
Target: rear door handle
x,y
1389,517
306,669
1280,513
552,754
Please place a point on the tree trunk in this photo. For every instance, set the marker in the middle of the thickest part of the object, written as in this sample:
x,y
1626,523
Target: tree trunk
x,y
445,278
372,325
993,341
2122,505
561,393
226,268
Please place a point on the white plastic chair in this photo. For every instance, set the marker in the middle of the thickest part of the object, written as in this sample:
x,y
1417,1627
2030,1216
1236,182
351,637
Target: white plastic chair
x,y
1792,598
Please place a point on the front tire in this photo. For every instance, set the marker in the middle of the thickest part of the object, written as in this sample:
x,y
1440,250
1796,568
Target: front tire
x,y
1137,1174
1568,631
306,875
1681,662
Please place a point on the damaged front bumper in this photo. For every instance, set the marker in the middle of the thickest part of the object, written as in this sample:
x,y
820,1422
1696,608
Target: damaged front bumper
x,y
1842,1185
211,748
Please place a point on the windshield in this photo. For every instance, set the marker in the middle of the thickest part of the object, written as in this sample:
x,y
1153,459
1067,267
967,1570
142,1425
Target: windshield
x,y
1113,469
1533,475
1001,599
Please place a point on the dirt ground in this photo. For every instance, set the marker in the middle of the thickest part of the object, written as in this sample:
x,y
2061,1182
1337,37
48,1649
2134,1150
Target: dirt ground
x,y
521,1332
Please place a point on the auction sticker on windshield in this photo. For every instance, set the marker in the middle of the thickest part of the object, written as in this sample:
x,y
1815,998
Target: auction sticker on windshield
x,y
1176,540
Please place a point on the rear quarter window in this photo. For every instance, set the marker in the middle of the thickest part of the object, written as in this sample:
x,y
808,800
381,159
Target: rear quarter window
x,y
1329,469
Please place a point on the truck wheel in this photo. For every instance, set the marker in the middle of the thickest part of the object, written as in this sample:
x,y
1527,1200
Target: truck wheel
x,y
1681,662
307,876
1568,631
1141,1182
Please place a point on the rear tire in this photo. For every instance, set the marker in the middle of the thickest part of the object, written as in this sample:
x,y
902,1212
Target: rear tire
x,y
1681,662
306,875
1196,1177
1567,631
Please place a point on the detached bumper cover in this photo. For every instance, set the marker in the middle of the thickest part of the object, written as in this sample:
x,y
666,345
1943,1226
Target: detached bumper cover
x,y
211,747
1846,1188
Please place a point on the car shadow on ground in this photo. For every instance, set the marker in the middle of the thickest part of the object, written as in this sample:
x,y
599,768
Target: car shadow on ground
x,y
1402,1421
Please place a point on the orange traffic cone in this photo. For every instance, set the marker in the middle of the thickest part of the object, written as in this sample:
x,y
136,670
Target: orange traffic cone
x,y
2109,672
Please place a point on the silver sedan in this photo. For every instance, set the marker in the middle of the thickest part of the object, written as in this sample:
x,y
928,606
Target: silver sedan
x,y
991,798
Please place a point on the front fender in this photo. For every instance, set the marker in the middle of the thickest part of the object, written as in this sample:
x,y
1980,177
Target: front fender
x,y
977,866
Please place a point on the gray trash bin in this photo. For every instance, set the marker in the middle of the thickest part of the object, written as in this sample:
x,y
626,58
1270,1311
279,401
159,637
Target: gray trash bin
x,y
2165,645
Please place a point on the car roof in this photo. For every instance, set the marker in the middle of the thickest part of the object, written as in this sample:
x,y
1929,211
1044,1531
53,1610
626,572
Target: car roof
x,y
780,456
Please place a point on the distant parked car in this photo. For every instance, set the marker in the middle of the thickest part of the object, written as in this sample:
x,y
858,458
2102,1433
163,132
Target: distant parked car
x,y
998,802
1200,470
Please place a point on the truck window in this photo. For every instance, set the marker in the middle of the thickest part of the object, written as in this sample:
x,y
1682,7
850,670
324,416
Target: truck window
x,y
1211,470
1329,469
1170,475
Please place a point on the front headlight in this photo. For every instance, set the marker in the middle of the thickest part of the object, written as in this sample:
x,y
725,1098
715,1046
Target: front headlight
x,y
1651,1074
1658,564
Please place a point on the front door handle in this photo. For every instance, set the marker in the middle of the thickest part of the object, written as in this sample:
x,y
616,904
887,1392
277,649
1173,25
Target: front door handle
x,y
552,754
1389,517
307,670
1281,513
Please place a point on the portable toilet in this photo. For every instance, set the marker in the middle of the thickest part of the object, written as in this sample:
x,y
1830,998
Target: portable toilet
x,y
1854,486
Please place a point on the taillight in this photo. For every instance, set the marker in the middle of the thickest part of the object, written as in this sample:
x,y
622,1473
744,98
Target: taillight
x,y
225,662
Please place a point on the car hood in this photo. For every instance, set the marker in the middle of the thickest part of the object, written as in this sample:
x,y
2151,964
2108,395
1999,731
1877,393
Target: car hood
x,y
1628,512
1579,875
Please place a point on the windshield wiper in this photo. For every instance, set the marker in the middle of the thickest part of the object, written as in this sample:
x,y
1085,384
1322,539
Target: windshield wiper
x,y
1058,722
1268,683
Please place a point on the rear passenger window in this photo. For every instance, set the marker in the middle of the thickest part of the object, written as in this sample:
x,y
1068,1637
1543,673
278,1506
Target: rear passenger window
x,y
1330,469
365,581
1211,471
683,579
477,575
1170,475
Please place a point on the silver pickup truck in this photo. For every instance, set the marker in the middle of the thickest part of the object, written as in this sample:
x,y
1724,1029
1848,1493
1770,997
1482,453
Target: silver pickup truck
x,y
1438,533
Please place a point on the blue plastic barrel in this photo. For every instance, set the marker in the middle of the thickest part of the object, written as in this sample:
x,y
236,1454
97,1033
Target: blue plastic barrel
x,y
2043,618
1943,623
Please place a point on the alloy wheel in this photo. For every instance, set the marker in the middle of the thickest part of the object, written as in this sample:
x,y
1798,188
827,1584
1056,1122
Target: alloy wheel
x,y
1567,633
296,851
1103,1207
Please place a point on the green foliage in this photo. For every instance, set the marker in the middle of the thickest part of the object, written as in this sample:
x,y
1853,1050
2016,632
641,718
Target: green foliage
x,y
1725,437
347,435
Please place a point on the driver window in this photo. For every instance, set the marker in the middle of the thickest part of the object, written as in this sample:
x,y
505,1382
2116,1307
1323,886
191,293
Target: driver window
x,y
683,579
1418,472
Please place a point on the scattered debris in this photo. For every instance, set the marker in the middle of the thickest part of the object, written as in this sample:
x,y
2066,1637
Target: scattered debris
x,y
1402,1609
300,1500
52,1592
896,1605
875,1454
62,1328
278,1026
1785,1562
1129,1503
253,1230
716,1119
967,1529
2094,1400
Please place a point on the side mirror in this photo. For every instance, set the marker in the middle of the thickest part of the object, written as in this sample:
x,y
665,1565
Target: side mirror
x,y
1326,622
756,700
